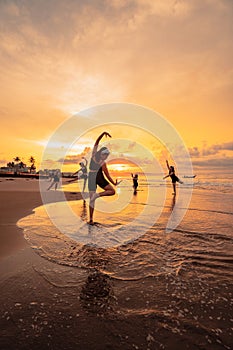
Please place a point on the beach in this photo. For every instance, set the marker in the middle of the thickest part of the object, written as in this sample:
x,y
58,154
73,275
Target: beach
x,y
177,295
132,99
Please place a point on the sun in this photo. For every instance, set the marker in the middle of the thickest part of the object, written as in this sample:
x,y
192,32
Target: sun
x,y
123,167
119,167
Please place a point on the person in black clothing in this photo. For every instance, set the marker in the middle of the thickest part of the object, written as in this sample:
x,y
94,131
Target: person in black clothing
x,y
98,169
135,182
83,170
173,176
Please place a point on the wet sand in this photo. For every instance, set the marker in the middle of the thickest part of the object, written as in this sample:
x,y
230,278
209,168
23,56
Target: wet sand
x,y
18,198
49,306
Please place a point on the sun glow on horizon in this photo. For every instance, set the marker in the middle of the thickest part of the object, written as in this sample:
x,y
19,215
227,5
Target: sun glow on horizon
x,y
119,167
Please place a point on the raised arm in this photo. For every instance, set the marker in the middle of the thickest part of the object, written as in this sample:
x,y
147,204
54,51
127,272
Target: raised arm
x,y
85,160
95,148
167,165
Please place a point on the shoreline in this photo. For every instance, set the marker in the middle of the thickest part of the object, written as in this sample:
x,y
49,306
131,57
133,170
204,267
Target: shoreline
x,y
12,238
24,175
45,305
18,199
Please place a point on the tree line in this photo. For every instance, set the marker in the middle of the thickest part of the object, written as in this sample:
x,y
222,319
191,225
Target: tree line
x,y
19,164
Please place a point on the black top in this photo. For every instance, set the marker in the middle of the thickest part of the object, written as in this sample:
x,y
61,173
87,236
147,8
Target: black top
x,y
94,165
173,176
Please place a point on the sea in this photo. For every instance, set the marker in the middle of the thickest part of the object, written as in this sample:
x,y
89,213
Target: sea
x,y
171,256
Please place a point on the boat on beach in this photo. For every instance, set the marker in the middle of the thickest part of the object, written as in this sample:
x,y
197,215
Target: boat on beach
x,y
189,176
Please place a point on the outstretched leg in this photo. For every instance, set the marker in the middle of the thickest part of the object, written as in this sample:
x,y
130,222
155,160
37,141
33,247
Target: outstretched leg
x,y
50,186
74,179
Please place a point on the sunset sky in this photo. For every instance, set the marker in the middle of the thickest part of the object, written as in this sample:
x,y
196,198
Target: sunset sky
x,y
59,57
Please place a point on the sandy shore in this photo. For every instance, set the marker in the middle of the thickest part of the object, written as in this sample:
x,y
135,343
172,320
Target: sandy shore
x,y
15,204
49,306
18,198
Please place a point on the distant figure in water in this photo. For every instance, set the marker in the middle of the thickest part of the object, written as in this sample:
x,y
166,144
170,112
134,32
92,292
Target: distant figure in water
x,y
173,176
56,179
135,182
83,171
98,169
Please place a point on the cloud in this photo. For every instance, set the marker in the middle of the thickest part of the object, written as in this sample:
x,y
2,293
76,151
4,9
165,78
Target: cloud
x,y
49,164
57,57
220,162
75,159
194,152
120,160
211,150
228,146
3,162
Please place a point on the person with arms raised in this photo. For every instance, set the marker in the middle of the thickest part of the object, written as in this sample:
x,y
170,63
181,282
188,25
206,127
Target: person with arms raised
x,y
99,175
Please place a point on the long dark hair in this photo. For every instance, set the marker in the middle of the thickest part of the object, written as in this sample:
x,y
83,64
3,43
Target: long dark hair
x,y
98,153
172,169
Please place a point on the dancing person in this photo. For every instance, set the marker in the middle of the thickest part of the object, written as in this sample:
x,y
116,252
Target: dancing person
x,y
135,182
50,175
97,173
83,171
56,179
173,176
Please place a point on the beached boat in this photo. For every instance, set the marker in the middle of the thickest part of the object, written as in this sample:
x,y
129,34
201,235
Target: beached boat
x,y
189,176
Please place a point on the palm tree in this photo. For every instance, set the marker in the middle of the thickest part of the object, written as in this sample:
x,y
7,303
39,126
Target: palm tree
x,y
22,165
17,159
32,161
16,166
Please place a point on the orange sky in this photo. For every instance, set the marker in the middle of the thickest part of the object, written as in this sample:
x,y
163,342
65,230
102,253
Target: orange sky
x,y
59,57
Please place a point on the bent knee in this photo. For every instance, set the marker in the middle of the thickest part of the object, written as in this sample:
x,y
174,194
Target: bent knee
x,y
111,191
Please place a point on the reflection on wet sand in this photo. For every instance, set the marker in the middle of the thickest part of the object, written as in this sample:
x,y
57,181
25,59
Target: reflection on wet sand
x,y
173,202
97,293
83,213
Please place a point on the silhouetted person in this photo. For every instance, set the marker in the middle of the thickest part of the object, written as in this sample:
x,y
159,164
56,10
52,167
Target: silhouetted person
x,y
56,179
83,170
173,176
97,173
135,182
